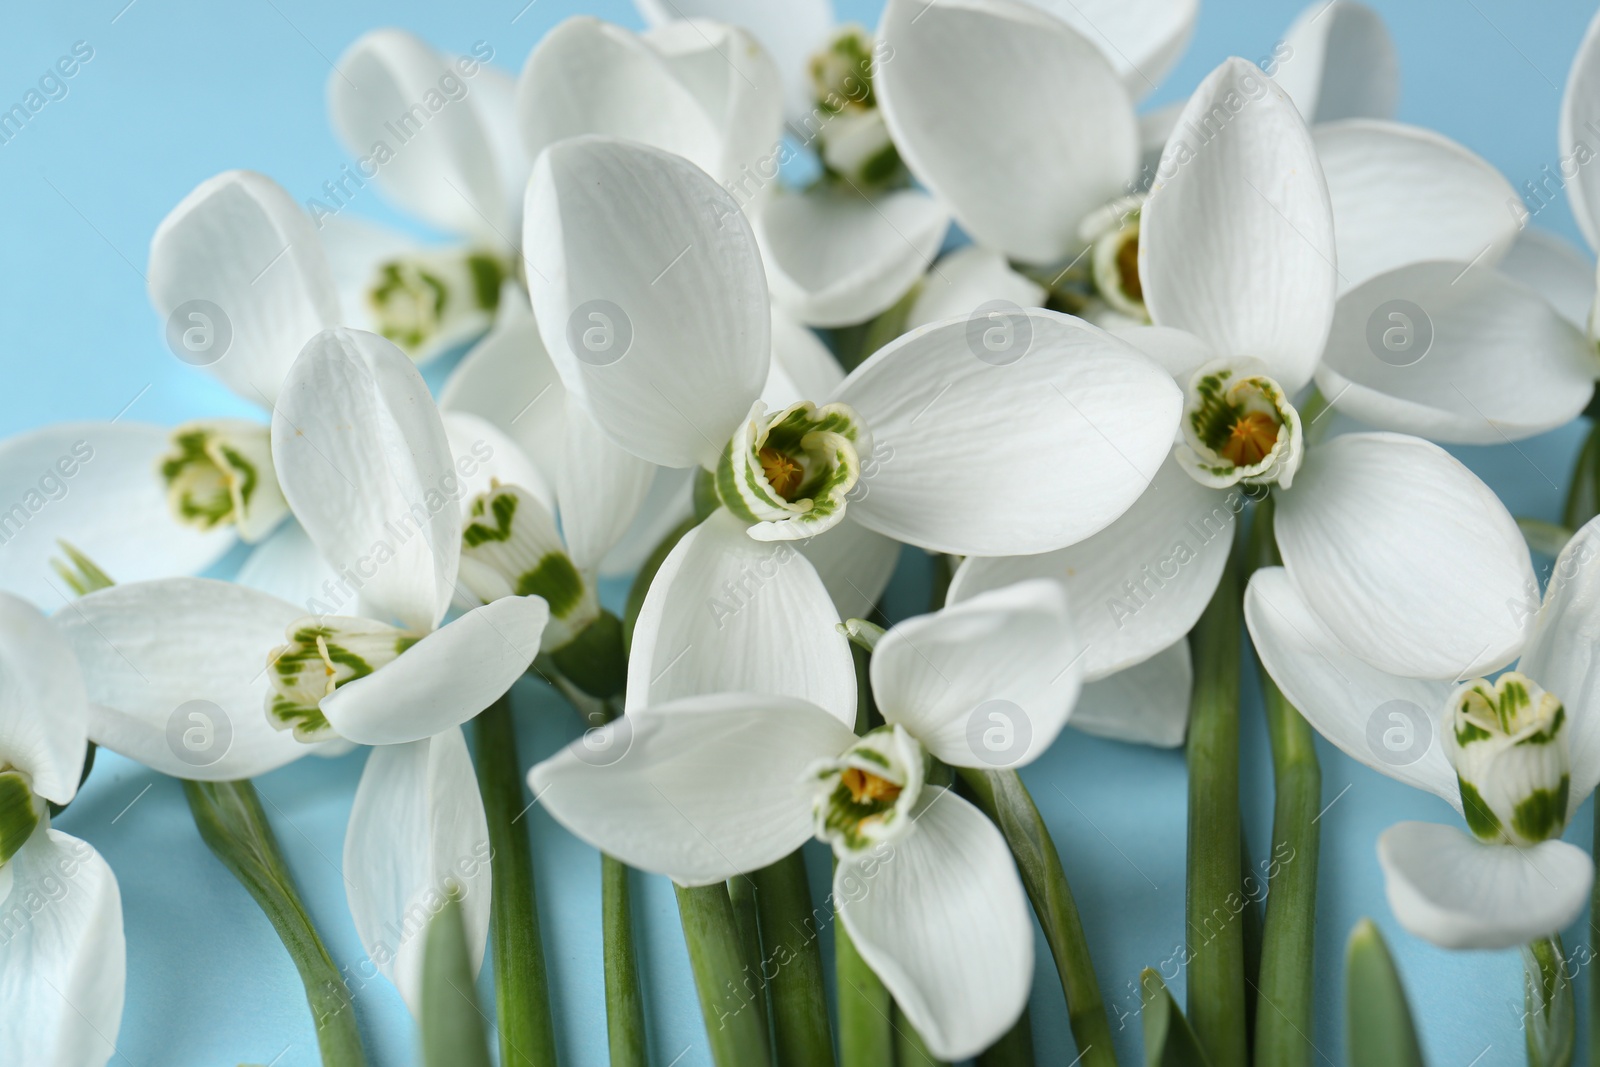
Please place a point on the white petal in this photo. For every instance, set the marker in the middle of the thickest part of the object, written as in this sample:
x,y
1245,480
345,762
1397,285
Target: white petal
x,y
484,455
508,379
640,260
1141,39
728,613
961,94
177,675
837,256
965,280
601,487
1236,241
241,244
1402,194
417,834
699,789
1458,892
789,29
1087,421
1146,704
494,98
364,462
1337,61
1138,585
988,682
943,921
590,77
802,367
1406,557
854,563
63,967
390,86
1580,111
738,86
95,486
1179,352
1554,268
288,566
666,506
444,679
1456,354
1562,652
44,709
1390,723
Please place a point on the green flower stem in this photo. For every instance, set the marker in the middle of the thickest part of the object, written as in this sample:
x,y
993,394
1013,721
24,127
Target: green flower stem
x,y
452,1023
742,894
624,1001
1004,798
231,822
521,986
910,1049
1284,1014
1583,493
716,954
1550,1024
866,1029
1216,1008
1015,1049
802,1035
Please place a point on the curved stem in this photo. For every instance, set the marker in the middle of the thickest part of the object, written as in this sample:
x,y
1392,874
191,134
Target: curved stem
x,y
624,1001
231,822
716,954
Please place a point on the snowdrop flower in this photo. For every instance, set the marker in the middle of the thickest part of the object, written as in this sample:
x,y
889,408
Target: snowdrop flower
x,y
62,959
711,785
1515,755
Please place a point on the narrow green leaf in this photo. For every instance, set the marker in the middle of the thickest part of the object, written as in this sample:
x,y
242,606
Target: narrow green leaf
x,y
452,1023
1381,1033
1551,1019
1168,1040
910,1049
1583,493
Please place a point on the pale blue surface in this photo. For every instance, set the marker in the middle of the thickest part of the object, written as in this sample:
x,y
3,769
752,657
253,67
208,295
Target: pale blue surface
x,y
177,91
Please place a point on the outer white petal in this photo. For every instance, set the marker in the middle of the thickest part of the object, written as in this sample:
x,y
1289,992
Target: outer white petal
x,y
484,455
1086,423
854,563
44,709
789,29
962,96
802,367
1580,114
839,256
1006,660
1555,268
590,77
967,278
1236,241
1147,704
240,242
63,966
508,379
728,613
1389,722
389,87
601,487
95,486
364,462
494,98
943,921
738,86
1487,361
1138,585
1337,61
151,648
1563,652
444,679
674,262
1458,892
417,834
666,506
1142,39
1179,352
699,789
1402,194
1406,557
288,566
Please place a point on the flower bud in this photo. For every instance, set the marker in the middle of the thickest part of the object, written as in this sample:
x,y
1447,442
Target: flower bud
x,y
1508,743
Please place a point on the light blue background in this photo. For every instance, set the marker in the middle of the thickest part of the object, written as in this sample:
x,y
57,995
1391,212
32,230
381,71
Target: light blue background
x,y
180,89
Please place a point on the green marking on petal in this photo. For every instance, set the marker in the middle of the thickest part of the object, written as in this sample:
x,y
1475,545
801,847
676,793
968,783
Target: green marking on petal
x,y
791,474
867,794
1481,819
19,812
1507,741
323,653
433,298
219,472
1543,814
557,580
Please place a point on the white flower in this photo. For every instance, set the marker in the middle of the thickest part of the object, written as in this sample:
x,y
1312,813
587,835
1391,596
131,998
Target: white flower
x,y
1516,755
710,785
63,958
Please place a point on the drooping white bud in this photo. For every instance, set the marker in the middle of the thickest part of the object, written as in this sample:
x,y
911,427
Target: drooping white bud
x,y
1507,740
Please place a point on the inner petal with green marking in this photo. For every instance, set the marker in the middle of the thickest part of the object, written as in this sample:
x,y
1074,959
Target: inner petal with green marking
x,y
20,811
219,472
1507,740
1238,426
866,796
510,547
430,301
324,652
789,475
1113,233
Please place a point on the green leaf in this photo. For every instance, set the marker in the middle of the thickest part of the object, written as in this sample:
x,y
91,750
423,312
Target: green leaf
x,y
1551,1029
452,1024
1168,1041
1381,1033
